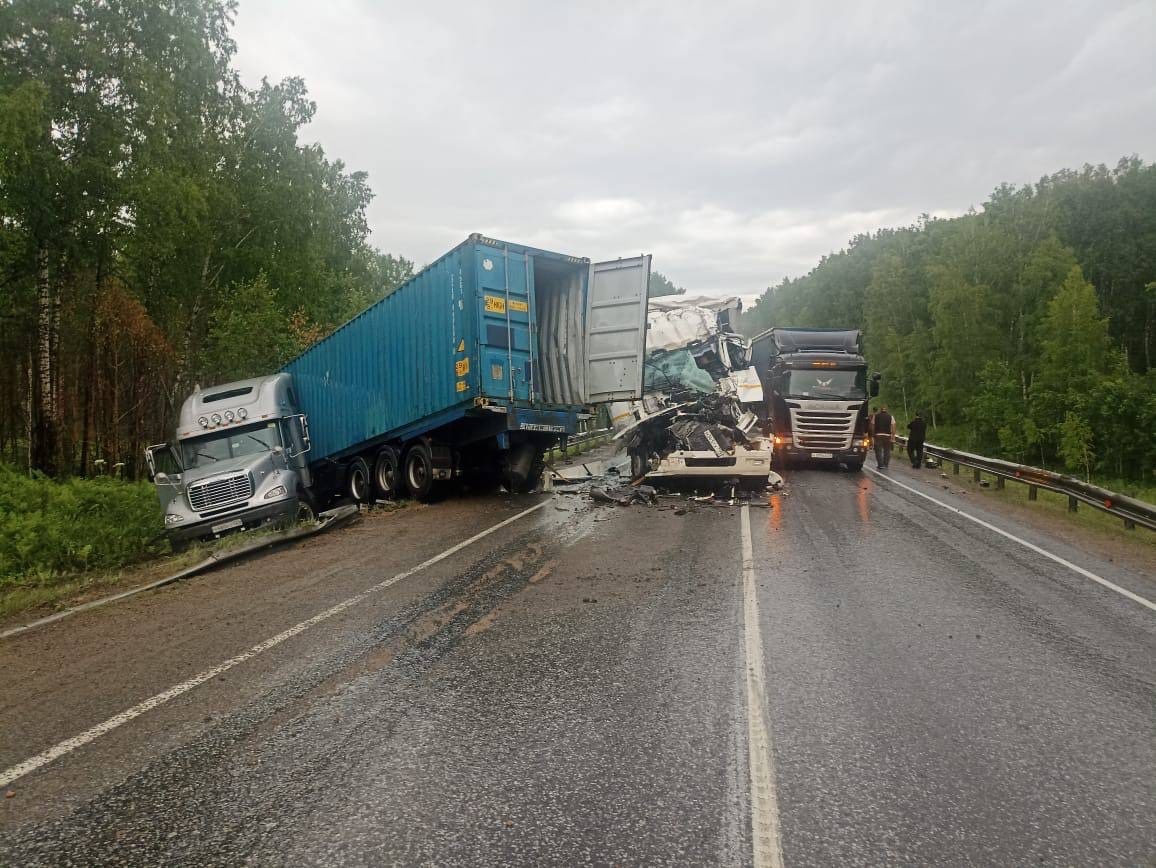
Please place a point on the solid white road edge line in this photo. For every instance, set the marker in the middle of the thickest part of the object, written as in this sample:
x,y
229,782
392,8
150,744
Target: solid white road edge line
x,y
68,745
765,838
1035,548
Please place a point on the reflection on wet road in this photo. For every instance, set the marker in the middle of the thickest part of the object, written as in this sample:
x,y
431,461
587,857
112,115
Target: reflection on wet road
x,y
574,688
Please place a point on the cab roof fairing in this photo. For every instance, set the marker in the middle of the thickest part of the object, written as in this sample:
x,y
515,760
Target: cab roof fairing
x,y
262,397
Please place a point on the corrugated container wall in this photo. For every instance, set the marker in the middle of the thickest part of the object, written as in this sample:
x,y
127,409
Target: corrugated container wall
x,y
394,363
490,321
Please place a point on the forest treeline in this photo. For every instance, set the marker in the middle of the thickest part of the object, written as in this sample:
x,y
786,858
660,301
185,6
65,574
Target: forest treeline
x,y
1025,330
161,224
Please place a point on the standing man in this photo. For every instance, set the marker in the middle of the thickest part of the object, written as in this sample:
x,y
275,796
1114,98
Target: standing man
x,y
883,433
917,431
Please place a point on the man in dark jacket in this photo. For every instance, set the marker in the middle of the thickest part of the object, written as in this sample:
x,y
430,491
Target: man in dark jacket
x,y
883,434
917,431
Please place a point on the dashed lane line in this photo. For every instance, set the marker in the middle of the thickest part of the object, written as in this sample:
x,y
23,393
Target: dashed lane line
x,y
765,836
1088,574
90,735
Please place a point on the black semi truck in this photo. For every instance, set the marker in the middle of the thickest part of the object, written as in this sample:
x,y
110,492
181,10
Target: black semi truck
x,y
815,389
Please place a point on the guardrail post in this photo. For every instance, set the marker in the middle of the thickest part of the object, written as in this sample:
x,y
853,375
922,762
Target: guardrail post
x,y
999,482
1129,524
1073,504
975,474
1033,492
957,469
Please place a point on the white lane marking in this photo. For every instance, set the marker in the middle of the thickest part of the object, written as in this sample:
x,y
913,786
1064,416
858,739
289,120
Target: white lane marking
x,y
765,838
1035,548
68,745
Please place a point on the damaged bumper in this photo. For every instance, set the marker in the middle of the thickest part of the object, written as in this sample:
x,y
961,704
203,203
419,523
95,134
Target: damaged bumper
x,y
751,465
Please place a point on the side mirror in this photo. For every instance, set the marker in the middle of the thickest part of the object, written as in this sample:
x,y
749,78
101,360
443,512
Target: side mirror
x,y
303,429
873,387
168,458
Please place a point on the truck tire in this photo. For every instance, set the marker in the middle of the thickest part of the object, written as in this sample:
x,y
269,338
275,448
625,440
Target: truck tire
x,y
854,466
418,472
387,473
306,506
357,484
639,465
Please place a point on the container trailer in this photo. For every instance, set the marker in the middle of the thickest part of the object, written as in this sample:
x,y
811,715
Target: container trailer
x,y
471,370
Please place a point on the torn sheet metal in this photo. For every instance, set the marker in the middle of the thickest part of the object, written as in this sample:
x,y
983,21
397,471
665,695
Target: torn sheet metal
x,y
696,420
674,329
623,495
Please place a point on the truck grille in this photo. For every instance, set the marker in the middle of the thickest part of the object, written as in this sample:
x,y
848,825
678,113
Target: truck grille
x,y
220,491
827,430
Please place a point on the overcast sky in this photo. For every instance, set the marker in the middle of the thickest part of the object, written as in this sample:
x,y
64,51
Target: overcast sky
x,y
737,142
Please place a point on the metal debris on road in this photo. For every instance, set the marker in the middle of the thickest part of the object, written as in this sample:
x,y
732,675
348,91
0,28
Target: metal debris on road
x,y
624,495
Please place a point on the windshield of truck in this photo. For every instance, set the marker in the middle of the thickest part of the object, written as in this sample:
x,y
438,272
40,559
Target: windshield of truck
x,y
827,383
230,443
674,372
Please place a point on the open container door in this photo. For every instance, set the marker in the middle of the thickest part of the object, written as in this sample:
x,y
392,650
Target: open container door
x,y
616,299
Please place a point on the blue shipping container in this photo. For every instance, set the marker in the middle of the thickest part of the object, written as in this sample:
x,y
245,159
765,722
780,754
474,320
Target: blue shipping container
x,y
491,332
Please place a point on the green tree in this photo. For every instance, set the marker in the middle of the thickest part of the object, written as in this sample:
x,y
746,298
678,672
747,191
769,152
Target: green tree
x,y
134,164
660,286
249,333
1076,444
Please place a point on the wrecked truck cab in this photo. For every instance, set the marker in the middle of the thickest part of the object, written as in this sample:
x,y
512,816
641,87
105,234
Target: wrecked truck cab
x,y
696,423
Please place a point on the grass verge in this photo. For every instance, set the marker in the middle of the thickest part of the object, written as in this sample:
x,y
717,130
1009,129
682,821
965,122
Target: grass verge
x,y
1053,506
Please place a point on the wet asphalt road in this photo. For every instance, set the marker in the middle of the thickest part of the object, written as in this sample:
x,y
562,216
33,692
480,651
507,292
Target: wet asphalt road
x,y
570,689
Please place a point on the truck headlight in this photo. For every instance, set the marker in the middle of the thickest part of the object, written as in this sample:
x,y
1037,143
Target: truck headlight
x,y
172,518
275,491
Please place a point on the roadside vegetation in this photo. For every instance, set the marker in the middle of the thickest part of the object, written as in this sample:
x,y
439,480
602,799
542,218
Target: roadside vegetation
x,y
1054,506
163,225
1027,329
52,531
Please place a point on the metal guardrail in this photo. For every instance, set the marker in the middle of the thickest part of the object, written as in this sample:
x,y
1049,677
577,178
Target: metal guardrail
x,y
1132,511
587,436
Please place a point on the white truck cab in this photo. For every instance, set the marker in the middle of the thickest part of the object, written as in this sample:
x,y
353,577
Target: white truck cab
x,y
238,460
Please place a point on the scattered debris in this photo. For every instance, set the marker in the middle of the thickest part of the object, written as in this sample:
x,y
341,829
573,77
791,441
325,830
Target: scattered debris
x,y
623,495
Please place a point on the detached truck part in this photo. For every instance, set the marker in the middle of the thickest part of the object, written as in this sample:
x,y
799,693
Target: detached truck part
x,y
470,370
815,389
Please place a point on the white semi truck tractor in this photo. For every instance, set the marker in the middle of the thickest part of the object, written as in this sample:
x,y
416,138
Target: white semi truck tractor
x,y
238,460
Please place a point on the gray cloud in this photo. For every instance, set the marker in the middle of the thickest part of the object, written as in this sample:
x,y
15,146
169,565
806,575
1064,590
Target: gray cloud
x,y
738,142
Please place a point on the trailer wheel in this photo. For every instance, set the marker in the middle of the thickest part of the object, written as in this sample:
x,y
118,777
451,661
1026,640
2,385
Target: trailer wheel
x,y
419,477
387,473
357,480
